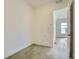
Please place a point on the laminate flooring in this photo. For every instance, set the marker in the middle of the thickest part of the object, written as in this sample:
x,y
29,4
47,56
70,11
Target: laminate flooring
x,y
59,51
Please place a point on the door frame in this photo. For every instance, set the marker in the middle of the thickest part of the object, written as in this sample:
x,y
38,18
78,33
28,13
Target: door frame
x,y
72,30
72,41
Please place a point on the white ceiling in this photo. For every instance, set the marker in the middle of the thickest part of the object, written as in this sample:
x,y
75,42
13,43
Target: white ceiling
x,y
36,3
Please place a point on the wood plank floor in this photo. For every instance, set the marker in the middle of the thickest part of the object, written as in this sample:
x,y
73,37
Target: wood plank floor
x,y
59,51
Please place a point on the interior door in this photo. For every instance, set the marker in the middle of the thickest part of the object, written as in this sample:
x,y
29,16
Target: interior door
x,y
62,29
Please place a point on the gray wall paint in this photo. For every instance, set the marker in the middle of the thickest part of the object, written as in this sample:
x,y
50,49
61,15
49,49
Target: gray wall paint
x,y
58,27
60,16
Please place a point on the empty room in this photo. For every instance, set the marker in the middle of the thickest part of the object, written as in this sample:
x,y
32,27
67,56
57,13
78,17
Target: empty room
x,y
38,29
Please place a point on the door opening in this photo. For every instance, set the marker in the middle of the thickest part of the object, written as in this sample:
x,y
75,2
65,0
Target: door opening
x,y
62,31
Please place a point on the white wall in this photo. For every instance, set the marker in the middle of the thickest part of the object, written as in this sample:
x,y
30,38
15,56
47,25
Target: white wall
x,y
42,20
43,23
17,23
21,20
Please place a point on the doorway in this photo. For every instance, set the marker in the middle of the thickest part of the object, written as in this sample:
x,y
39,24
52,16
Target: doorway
x,y
62,32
